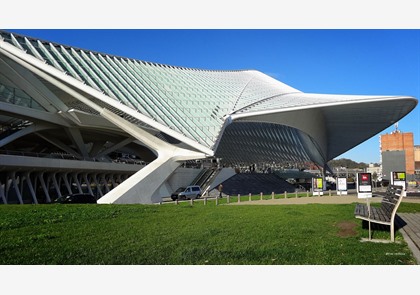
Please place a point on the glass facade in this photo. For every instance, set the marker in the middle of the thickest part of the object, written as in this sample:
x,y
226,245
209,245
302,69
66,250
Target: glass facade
x,y
190,101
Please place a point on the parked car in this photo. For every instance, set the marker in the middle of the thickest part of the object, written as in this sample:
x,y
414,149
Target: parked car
x,y
175,194
77,199
186,193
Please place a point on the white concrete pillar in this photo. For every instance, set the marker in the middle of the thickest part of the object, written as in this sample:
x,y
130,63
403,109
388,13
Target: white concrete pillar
x,y
31,188
98,187
64,177
2,194
40,176
56,186
88,183
16,186
76,179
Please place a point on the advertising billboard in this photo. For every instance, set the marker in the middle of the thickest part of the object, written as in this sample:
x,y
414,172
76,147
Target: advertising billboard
x,y
341,186
398,178
317,186
364,185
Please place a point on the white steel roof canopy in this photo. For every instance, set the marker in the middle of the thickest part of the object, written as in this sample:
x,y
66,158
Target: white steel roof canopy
x,y
240,116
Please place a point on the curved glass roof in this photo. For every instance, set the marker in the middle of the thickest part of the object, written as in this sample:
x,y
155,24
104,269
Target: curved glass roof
x,y
298,99
197,107
190,101
241,140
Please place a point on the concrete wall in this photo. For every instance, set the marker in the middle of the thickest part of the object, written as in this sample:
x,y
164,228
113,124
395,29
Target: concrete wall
x,y
182,177
392,161
224,174
399,141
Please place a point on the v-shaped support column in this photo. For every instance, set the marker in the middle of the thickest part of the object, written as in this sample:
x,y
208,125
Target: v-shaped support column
x,y
142,187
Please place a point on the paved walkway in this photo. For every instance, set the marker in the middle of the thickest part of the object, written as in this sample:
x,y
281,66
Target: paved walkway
x,y
325,199
409,227
292,200
407,223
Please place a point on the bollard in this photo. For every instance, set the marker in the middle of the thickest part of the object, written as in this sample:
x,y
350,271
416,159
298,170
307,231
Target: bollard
x,y
250,197
285,194
205,200
239,198
272,195
329,193
176,202
307,193
295,193
228,199
191,202
261,196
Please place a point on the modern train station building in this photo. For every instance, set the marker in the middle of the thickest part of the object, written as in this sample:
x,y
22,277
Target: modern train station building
x,y
128,131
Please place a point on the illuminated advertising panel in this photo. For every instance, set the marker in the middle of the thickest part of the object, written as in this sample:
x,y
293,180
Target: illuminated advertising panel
x,y
398,178
317,186
341,186
364,185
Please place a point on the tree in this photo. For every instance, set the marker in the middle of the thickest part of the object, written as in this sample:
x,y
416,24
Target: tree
x,y
350,164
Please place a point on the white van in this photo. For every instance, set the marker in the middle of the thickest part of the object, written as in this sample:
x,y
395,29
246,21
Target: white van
x,y
190,192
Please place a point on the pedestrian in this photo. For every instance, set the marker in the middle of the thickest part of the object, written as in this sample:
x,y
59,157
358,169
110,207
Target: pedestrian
x,y
220,190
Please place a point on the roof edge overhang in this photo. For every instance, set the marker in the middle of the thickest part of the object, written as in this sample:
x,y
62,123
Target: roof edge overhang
x,y
311,119
238,116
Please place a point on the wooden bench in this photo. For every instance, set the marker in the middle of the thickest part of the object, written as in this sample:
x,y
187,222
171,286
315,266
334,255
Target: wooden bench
x,y
385,214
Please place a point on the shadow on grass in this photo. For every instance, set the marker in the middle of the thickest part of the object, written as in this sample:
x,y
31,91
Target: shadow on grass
x,y
383,228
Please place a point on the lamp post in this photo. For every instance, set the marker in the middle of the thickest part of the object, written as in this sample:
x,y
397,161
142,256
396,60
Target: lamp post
x,y
347,174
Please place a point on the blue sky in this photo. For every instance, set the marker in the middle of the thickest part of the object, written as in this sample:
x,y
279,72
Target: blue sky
x,y
336,61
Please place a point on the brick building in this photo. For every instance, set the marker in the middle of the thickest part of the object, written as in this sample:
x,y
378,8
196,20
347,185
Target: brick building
x,y
402,142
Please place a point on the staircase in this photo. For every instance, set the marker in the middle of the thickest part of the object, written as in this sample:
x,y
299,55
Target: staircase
x,y
205,178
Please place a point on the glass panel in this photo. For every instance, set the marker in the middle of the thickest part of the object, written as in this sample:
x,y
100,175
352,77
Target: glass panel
x,y
48,57
33,50
94,72
14,41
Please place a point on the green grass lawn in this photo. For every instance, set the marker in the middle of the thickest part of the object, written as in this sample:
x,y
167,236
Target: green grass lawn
x,y
169,234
